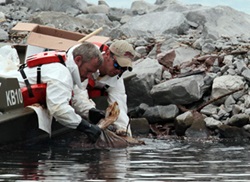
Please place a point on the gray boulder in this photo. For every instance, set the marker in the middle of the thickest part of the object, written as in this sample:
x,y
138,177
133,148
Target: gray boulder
x,y
184,90
50,5
161,114
140,26
138,88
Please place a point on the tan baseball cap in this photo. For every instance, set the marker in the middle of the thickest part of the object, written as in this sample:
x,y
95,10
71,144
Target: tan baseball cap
x,y
124,52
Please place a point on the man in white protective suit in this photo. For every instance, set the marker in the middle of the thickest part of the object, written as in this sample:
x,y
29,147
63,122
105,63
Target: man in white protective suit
x,y
60,79
117,58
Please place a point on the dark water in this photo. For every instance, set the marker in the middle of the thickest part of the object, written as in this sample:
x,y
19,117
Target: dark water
x,y
158,160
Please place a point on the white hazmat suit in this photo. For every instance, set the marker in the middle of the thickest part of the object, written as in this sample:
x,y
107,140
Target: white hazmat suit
x,y
61,81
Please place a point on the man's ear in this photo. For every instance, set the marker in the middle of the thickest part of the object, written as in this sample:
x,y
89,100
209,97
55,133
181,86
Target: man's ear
x,y
106,54
78,60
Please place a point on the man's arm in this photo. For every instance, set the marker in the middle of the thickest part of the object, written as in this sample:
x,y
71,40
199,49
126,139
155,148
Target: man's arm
x,y
118,94
81,101
58,102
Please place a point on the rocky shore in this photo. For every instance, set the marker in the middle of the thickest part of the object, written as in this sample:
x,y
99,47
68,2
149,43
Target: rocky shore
x,y
192,78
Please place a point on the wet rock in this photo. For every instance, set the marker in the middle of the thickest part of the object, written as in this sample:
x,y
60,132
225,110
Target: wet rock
x,y
139,127
182,122
212,123
198,128
161,114
234,132
239,120
247,127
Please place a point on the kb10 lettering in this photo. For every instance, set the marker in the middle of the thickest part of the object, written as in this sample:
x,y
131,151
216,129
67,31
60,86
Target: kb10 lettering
x,y
14,97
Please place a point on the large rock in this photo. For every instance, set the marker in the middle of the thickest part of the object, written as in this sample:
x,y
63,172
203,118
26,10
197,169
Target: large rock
x,y
138,88
233,132
225,84
198,128
147,24
220,21
141,7
61,20
161,114
58,5
182,122
184,90
98,9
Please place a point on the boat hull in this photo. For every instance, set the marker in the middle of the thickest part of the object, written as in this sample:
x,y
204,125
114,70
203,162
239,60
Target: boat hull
x,y
20,126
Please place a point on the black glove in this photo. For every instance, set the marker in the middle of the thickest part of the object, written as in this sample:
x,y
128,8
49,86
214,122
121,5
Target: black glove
x,y
92,131
95,115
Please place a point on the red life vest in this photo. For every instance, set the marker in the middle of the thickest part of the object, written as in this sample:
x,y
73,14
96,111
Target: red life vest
x,y
36,93
39,94
45,58
96,92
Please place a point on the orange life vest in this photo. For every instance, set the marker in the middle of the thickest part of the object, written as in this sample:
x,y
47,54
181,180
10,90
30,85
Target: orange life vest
x,y
36,93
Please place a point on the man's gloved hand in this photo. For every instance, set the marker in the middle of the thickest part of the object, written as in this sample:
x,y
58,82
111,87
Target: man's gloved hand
x,y
95,115
92,131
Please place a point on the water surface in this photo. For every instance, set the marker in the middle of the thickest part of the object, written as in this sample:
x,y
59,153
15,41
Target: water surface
x,y
158,160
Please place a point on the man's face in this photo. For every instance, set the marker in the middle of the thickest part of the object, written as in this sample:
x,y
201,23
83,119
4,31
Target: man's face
x,y
88,68
113,67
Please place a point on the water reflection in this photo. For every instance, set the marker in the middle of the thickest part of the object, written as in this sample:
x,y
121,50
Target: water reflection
x,y
158,160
